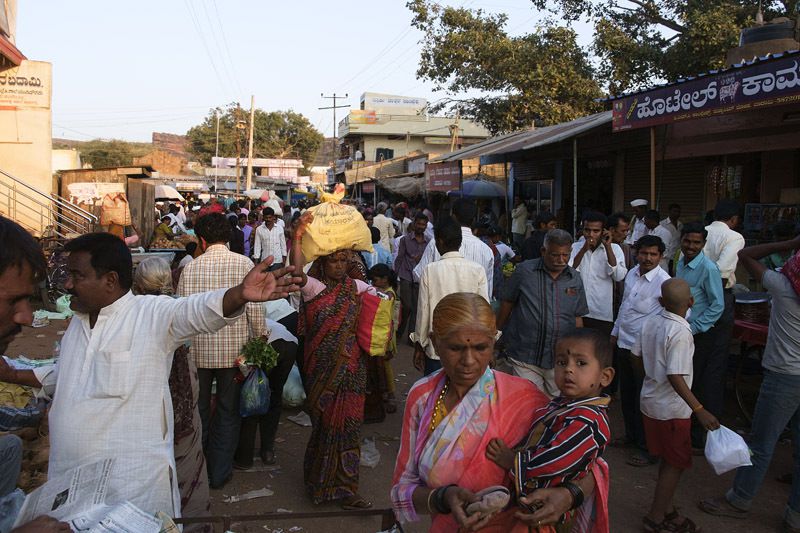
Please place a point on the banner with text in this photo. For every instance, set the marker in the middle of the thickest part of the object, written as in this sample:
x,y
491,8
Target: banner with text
x,y
443,177
768,83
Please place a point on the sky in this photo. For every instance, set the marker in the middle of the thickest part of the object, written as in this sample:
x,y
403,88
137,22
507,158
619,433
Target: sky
x,y
126,69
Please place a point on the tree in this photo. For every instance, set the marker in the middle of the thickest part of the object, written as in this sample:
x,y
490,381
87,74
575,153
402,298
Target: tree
x,y
640,41
277,134
541,78
113,153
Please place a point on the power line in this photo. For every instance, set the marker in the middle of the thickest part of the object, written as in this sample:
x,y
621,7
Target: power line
x,y
225,42
228,64
394,42
205,45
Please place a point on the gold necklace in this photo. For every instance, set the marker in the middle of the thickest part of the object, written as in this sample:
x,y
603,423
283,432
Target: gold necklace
x,y
439,406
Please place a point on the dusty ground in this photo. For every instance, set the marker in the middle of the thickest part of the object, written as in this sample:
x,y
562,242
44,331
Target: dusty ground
x,y
631,488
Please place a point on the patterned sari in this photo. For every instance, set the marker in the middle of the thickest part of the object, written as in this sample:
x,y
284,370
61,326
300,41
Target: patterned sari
x,y
497,406
335,379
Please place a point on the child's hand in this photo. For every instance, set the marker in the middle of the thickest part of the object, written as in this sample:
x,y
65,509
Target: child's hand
x,y
707,420
498,452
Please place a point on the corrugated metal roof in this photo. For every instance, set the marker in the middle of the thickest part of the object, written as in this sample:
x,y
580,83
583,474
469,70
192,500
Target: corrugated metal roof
x,y
526,140
744,64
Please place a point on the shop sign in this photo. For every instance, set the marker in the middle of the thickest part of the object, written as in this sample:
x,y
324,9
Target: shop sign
x,y
368,188
443,177
26,86
767,83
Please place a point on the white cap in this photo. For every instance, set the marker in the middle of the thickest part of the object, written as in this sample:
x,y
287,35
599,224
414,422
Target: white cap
x,y
639,203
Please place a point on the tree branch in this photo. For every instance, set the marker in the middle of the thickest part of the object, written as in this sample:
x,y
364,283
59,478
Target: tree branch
x,y
656,18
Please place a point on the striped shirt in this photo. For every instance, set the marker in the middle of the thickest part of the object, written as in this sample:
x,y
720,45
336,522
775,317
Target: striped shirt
x,y
572,440
270,242
472,249
219,268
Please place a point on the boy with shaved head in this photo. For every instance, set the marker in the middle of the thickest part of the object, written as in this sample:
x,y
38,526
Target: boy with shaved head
x,y
666,347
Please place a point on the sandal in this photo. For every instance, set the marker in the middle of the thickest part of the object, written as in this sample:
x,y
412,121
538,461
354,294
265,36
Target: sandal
x,y
268,457
721,507
390,406
686,526
651,526
355,503
640,459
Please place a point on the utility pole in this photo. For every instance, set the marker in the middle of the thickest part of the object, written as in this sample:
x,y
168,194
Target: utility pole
x,y
335,136
216,154
454,132
248,181
240,125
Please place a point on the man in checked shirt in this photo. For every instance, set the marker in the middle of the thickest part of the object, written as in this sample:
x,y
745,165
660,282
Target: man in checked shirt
x,y
215,354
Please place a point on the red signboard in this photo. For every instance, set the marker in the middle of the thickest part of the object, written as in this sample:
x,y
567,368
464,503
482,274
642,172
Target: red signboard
x,y
368,188
443,177
762,84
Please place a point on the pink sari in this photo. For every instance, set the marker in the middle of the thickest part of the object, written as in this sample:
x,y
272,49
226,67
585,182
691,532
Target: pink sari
x,y
497,406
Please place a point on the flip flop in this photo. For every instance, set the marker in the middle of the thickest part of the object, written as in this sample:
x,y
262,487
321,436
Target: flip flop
x,y
721,507
354,503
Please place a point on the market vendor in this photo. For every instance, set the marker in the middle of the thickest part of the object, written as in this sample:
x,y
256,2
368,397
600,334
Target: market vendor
x,y
113,400
163,231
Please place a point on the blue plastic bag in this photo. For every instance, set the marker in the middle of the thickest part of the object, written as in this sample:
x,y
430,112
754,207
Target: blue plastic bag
x,y
254,398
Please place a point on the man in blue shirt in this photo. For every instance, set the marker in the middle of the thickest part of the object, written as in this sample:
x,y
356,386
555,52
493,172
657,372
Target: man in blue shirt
x,y
704,278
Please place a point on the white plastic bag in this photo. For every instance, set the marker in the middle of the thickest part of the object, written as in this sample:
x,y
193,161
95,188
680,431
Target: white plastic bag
x,y
370,456
293,393
726,450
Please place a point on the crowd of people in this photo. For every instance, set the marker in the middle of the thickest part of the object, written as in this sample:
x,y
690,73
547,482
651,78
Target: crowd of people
x,y
521,347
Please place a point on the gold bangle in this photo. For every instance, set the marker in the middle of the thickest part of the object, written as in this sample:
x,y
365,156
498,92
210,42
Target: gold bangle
x,y
699,407
430,511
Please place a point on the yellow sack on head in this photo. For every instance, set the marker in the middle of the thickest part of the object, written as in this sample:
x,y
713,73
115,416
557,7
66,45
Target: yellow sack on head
x,y
335,227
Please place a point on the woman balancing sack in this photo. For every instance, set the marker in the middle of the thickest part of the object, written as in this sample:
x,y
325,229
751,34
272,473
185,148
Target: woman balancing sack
x,y
335,227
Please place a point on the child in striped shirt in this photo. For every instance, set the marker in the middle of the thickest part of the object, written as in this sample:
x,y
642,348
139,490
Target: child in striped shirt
x,y
572,431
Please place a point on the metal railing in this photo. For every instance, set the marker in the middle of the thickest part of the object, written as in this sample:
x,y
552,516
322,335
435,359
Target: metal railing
x,y
40,212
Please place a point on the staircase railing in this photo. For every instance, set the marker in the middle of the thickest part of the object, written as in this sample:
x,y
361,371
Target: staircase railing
x,y
42,213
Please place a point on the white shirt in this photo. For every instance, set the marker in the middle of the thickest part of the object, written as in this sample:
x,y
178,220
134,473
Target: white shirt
x,y
666,347
386,227
278,331
186,260
270,242
111,395
472,248
505,251
175,224
722,246
451,274
665,235
519,219
598,278
675,232
639,301
637,231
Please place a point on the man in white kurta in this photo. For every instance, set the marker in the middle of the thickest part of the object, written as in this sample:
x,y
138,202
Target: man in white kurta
x,y
112,395
110,388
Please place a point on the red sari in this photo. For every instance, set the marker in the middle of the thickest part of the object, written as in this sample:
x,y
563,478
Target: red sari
x,y
335,378
497,406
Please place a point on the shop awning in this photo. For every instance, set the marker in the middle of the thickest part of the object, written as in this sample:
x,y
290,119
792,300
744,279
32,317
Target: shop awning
x,y
527,140
10,56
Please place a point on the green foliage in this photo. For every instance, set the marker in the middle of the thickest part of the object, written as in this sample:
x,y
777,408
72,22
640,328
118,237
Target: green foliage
x,y
113,153
277,134
258,352
638,42
541,78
